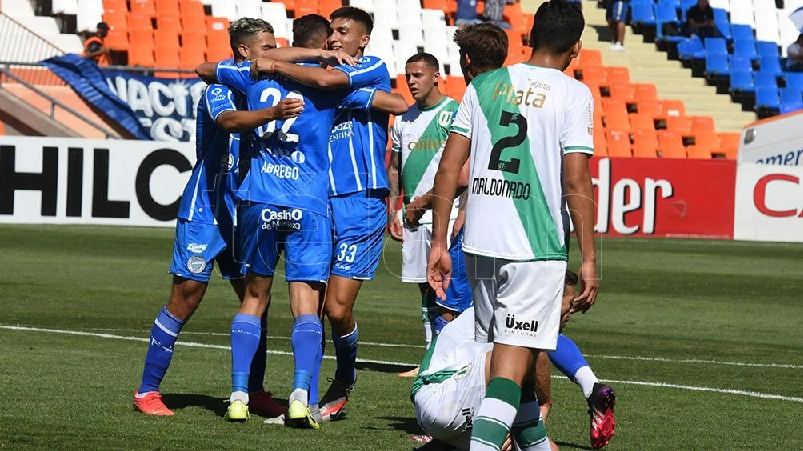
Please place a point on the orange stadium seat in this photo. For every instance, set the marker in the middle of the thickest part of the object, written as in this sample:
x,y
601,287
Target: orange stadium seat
x,y
618,74
671,144
166,38
304,7
217,24
623,91
139,21
729,145
167,7
217,53
618,143
140,55
289,5
590,57
679,124
594,74
168,22
193,23
166,57
650,107
190,57
641,122
325,7
193,37
117,19
2,129
645,91
115,6
146,7
515,17
574,65
600,143
644,144
191,8
707,139
141,37
698,152
117,39
702,124
672,108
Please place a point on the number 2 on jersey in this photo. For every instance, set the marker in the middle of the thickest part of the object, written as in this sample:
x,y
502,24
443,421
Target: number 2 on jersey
x,y
496,162
267,130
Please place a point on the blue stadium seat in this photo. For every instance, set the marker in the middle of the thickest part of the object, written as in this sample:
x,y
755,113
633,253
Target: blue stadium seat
x,y
642,14
763,79
722,23
684,6
741,31
740,63
666,13
716,64
767,48
691,49
742,82
767,100
791,95
794,79
746,48
715,45
771,64
791,107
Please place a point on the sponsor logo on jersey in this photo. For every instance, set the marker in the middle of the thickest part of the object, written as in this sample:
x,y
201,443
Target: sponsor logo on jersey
x,y
504,92
282,219
196,264
499,187
426,144
196,247
342,130
298,157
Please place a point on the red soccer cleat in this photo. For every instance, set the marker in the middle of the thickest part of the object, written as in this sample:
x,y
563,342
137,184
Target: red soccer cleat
x,y
151,404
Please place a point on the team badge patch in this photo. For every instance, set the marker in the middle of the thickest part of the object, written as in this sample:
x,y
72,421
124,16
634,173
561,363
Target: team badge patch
x,y
196,264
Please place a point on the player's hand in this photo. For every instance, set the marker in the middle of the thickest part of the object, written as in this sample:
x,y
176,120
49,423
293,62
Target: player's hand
x,y
259,65
439,269
590,283
395,227
337,57
289,107
508,445
414,211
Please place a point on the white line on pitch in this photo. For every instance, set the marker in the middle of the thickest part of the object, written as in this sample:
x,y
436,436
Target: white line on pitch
x,y
710,389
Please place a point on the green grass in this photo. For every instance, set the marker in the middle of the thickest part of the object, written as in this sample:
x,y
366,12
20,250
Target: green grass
x,y
670,311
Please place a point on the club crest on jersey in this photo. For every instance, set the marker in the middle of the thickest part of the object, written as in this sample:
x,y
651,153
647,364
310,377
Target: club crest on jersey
x,y
227,162
445,118
196,264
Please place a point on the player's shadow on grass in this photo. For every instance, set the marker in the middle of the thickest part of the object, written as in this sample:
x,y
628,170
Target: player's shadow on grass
x,y
408,425
383,367
184,400
572,445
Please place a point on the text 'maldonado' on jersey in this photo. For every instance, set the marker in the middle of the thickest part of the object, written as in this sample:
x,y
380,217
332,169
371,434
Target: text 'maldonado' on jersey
x,y
289,161
209,196
359,138
521,120
419,135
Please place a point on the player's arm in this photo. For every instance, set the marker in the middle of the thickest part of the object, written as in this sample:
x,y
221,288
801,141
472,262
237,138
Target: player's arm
x,y
394,182
416,209
578,146
236,76
207,72
389,103
299,54
233,121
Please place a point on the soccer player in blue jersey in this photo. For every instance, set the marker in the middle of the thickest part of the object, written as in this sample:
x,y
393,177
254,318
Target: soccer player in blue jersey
x,y
358,188
285,208
204,230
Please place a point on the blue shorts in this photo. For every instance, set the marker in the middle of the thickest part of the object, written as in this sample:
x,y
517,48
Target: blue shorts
x,y
617,11
305,238
359,221
458,295
198,246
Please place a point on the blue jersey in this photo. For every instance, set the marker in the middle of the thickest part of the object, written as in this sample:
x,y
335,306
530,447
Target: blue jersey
x,y
359,138
209,196
289,161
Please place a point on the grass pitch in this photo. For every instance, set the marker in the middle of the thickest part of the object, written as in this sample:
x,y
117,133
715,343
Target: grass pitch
x,y
701,340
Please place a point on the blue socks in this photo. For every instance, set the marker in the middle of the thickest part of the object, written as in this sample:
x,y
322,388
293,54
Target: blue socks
x,y
306,340
257,373
245,333
316,374
346,353
567,357
164,333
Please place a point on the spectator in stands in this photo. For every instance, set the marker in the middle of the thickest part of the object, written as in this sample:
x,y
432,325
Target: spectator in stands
x,y
493,13
95,48
466,13
700,19
794,55
617,17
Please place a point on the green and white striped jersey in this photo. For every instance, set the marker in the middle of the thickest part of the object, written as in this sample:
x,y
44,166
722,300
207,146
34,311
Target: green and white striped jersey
x,y
451,352
420,135
521,120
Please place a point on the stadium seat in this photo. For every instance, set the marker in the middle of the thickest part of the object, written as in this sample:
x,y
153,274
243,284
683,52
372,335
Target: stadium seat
x,y
679,124
698,152
741,32
642,15
767,101
670,107
167,7
701,124
791,99
168,22
741,82
715,45
141,55
707,140
717,66
740,63
618,144
190,57
670,145
746,48
455,87
166,38
645,143
764,79
722,23
141,38
649,107
117,40
766,48
590,57
623,91
600,144
771,64
594,74
646,91
138,21
691,49
144,7
729,145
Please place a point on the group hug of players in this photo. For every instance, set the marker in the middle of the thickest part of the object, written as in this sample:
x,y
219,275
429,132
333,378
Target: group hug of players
x,y
291,160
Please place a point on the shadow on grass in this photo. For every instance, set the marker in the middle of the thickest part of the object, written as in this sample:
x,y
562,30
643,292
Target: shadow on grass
x,y
184,400
408,425
383,367
573,445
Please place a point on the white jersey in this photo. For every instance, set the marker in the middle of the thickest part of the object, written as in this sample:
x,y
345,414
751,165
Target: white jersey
x,y
419,135
521,120
450,352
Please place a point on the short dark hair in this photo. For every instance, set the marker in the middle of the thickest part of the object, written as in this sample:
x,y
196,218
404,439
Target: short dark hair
x,y
355,14
571,278
103,26
242,30
309,28
485,43
557,26
428,58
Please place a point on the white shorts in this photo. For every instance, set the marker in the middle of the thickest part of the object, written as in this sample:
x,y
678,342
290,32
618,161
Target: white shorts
x,y
516,303
446,410
415,251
